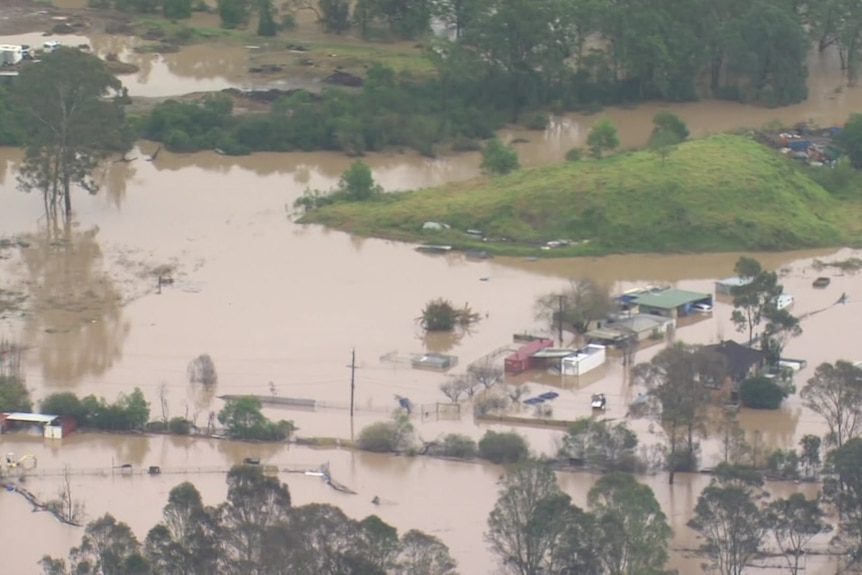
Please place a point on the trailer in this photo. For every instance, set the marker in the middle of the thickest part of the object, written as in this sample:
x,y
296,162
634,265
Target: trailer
x,y
11,55
583,360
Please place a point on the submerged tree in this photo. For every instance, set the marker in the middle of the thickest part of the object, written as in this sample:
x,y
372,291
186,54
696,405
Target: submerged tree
x,y
843,489
185,543
202,370
677,381
70,126
255,532
534,528
794,522
602,138
835,392
498,158
583,302
441,315
754,299
729,520
634,530
108,547
14,395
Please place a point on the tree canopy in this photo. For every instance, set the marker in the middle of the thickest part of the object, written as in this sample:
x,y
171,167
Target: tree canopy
x,y
69,124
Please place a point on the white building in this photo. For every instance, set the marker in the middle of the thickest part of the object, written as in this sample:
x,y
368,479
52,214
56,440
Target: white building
x,y
11,54
583,360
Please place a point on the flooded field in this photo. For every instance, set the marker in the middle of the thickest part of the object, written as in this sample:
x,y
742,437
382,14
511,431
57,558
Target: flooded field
x,y
280,307
410,491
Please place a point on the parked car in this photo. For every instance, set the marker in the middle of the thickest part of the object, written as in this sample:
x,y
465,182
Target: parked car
x,y
50,46
702,307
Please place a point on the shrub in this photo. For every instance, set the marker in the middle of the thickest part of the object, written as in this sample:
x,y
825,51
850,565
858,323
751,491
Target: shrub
x,y
499,158
537,122
506,447
179,425
574,155
784,463
126,413
387,436
380,437
761,393
457,445
489,402
243,419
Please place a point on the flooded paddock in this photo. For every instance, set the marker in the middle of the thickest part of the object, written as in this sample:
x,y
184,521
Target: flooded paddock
x,y
280,307
421,493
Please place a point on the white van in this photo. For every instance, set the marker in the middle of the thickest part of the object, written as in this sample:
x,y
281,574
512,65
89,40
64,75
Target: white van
x,y
50,46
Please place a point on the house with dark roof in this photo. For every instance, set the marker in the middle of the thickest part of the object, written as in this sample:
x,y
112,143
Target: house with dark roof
x,y
742,362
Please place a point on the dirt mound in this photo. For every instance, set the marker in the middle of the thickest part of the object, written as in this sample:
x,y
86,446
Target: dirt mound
x,y
344,79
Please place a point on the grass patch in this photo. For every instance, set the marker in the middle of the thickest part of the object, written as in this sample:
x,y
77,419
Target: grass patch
x,y
354,57
721,193
175,32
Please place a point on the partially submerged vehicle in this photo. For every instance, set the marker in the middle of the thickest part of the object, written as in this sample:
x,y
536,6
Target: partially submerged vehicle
x,y
599,401
821,282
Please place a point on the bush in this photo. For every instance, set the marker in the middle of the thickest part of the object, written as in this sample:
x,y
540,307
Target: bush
x,y
506,447
499,158
179,426
177,9
537,122
388,436
127,413
243,419
380,437
784,464
574,155
761,393
457,445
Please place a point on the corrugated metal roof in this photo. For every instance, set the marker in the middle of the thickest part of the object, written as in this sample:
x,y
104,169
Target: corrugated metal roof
x,y
550,352
670,298
735,281
31,417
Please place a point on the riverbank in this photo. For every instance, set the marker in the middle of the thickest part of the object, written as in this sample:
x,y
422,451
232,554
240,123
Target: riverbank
x,y
720,193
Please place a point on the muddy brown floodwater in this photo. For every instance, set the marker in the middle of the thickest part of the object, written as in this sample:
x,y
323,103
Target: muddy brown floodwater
x,y
410,490
279,307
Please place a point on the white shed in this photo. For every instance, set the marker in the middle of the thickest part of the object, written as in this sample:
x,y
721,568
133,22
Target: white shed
x,y
583,360
11,54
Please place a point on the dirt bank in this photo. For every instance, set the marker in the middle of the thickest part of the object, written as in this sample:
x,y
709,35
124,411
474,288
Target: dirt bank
x,y
25,16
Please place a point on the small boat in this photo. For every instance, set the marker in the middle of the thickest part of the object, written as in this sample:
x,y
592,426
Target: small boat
x,y
534,401
548,396
821,282
599,401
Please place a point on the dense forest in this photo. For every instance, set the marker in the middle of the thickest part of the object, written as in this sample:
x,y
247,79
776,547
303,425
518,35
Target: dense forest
x,y
512,58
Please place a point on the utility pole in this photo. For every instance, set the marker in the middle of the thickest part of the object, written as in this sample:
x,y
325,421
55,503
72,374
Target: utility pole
x,y
352,367
560,318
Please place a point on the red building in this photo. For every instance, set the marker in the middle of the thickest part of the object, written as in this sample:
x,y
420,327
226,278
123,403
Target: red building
x,y
522,359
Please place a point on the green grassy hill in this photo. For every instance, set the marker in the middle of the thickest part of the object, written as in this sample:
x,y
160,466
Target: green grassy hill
x,y
723,192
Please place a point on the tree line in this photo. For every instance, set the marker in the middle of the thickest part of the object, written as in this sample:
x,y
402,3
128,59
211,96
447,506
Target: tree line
x,y
255,531
67,139
534,528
